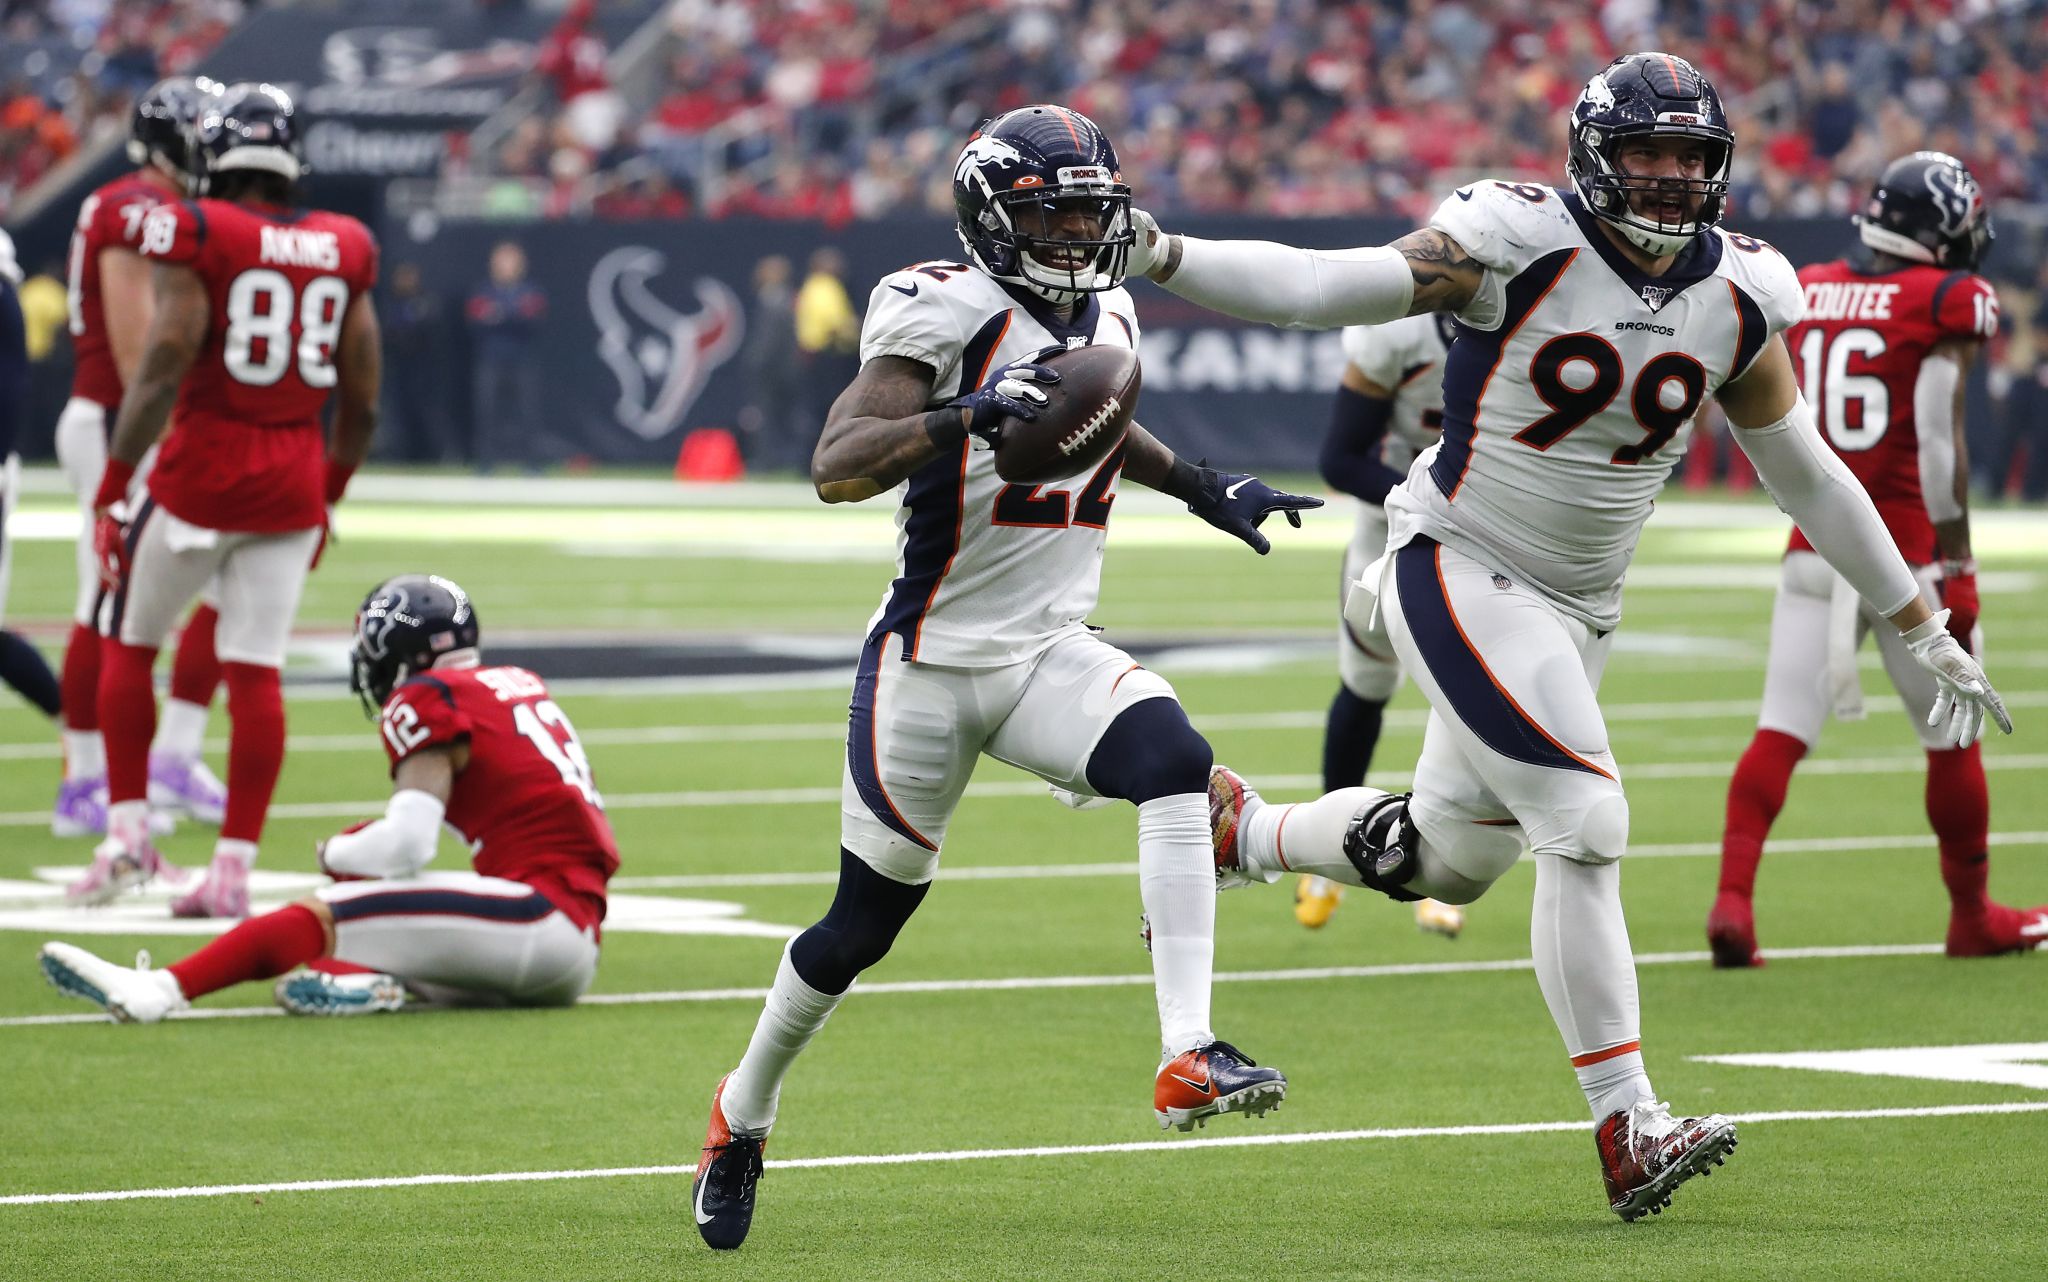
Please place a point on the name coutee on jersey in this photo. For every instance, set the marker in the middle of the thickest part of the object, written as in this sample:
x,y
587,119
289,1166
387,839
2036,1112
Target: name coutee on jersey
x,y
988,572
1571,389
246,450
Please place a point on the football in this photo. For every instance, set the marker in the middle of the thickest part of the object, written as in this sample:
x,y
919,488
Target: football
x,y
1084,417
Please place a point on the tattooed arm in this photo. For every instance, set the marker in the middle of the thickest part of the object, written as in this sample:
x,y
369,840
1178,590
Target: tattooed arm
x,y
1259,280
878,432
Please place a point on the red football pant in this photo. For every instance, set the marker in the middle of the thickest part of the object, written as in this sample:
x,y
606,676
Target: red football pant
x,y
255,747
195,669
260,948
127,701
1755,796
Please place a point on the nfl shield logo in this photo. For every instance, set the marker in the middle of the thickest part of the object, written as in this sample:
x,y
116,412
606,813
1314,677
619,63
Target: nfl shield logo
x,y
1656,295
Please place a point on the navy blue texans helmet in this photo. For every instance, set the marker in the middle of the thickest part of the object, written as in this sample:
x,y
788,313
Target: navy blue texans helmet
x,y
406,625
249,126
1041,203
1657,95
160,124
1928,208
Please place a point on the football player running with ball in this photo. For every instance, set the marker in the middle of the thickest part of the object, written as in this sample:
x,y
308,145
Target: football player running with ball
x,y
1592,322
1887,337
484,750
980,645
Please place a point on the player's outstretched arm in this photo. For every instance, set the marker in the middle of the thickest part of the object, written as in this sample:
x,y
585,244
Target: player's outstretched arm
x,y
404,840
1260,280
878,432
1776,428
1235,502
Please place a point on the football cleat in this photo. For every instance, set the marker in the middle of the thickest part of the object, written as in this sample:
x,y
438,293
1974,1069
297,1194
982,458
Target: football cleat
x,y
1645,1154
722,1195
1383,846
312,992
1998,929
132,995
1315,899
1196,1085
81,809
1437,918
186,787
1731,932
1231,801
222,892
118,867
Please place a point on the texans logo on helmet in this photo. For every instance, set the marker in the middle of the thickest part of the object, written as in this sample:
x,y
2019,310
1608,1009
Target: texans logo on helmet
x,y
1955,194
661,357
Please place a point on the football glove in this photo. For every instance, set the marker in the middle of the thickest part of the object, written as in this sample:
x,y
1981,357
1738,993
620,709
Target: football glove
x,y
1963,695
1238,503
1009,392
110,546
1148,249
1959,594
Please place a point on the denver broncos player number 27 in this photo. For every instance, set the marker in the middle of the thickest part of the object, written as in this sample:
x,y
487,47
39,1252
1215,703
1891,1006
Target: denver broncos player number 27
x,y
1591,325
980,644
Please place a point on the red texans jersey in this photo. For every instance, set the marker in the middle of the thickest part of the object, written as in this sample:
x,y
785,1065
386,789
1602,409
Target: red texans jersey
x,y
525,802
246,450
110,218
1858,352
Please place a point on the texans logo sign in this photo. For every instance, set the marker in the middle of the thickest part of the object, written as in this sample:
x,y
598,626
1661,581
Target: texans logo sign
x,y
662,357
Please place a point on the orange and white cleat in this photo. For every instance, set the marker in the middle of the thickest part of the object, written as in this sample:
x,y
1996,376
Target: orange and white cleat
x,y
1196,1085
1645,1154
1437,918
722,1195
1315,900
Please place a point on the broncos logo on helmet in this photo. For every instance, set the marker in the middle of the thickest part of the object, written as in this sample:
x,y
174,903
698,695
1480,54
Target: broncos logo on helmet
x,y
1041,203
1927,208
404,627
1652,95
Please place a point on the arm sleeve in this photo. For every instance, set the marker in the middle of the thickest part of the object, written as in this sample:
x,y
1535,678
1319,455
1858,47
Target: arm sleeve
x,y
1817,490
398,845
1259,280
1351,449
1934,400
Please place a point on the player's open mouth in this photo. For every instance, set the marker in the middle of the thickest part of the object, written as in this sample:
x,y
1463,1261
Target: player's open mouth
x,y
1062,259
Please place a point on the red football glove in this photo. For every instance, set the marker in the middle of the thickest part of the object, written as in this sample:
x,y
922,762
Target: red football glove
x,y
110,545
1959,594
320,852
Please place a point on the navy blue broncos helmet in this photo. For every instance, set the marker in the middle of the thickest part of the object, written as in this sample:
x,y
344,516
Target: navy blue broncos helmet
x,y
1928,208
248,126
160,124
1017,178
404,627
1659,95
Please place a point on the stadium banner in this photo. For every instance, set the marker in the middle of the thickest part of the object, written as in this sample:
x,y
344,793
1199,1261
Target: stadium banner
x,y
646,323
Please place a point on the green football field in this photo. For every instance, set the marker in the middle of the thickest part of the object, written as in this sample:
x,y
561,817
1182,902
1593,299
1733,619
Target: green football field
x,y
981,1107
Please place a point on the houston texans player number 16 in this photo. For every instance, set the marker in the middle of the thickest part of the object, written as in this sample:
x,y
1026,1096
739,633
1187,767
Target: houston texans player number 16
x,y
980,646
1592,322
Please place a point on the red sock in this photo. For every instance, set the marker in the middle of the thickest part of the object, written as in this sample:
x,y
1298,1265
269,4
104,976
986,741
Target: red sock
x,y
195,669
127,717
80,682
1959,807
260,948
255,747
1755,796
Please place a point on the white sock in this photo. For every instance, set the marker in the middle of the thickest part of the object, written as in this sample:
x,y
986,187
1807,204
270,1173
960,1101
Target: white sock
x,y
179,730
1306,837
792,1016
1177,882
1588,975
128,822
85,755
242,852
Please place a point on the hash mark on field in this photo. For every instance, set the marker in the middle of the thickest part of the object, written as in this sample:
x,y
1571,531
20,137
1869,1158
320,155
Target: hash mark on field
x,y
1032,983
989,1154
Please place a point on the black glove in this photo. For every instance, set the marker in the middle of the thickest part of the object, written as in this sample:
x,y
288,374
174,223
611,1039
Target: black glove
x,y
1008,393
1237,503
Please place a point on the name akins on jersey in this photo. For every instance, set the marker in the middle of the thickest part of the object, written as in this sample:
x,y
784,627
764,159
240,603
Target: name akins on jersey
x,y
293,247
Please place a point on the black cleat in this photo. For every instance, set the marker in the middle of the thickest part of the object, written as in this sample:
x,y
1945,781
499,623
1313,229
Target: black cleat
x,y
722,1195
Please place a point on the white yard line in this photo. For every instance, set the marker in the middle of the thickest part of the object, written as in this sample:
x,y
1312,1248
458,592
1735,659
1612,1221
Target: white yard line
x,y
1266,1140
1027,983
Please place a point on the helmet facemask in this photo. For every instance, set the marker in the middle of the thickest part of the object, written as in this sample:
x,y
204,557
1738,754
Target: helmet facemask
x,y
1610,192
1028,230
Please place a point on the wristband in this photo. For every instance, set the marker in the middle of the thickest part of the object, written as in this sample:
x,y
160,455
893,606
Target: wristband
x,y
1950,569
114,481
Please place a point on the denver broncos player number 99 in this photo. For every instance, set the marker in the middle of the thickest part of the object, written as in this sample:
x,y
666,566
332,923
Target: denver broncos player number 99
x,y
980,645
1591,325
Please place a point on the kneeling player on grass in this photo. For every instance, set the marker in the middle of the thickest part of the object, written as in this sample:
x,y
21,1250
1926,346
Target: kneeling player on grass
x,y
484,750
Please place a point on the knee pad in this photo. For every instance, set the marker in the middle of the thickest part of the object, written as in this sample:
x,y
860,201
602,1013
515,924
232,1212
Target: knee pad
x,y
1603,831
1150,751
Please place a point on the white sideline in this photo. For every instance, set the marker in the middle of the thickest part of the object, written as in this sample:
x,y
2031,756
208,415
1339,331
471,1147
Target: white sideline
x,y
1716,769
991,1154
1039,982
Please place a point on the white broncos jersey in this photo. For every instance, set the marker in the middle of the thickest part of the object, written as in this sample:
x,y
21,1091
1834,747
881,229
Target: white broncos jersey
x,y
988,572
1570,392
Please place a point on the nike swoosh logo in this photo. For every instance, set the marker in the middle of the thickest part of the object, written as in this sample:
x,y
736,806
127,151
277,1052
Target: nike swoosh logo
x,y
1203,1086
2035,929
909,291
698,1206
1230,491
1464,195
